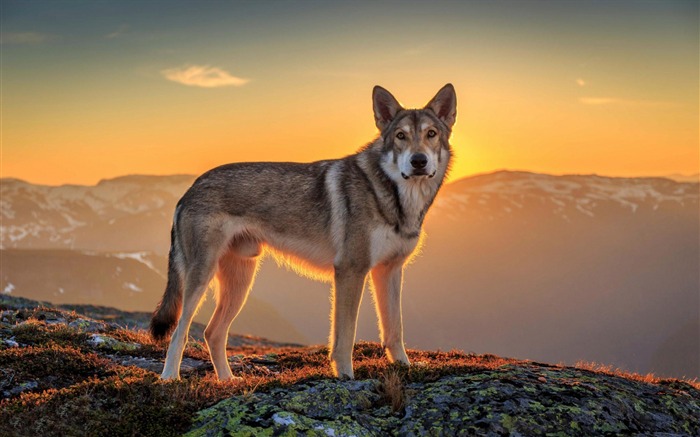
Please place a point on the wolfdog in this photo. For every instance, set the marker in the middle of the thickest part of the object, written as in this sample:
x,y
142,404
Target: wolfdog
x,y
339,220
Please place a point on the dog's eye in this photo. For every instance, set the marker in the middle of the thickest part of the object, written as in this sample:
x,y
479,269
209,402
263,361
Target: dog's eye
x,y
431,133
401,136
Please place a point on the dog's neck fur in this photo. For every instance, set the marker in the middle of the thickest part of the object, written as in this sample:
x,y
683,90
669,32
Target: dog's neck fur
x,y
415,195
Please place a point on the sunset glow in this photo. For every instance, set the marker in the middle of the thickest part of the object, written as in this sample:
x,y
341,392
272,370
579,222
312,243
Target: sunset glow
x,y
97,90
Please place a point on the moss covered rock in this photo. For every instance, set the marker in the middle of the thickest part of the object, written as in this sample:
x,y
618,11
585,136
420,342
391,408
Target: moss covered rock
x,y
536,400
523,399
323,408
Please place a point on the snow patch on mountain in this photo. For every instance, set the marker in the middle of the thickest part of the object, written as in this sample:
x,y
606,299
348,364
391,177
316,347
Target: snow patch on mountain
x,y
102,217
141,257
41,216
133,287
583,194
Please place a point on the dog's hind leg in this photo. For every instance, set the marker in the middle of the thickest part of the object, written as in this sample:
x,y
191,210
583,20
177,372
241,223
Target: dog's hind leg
x,y
236,274
386,285
199,271
195,286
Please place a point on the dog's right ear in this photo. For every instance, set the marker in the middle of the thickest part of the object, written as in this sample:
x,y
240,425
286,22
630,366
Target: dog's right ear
x,y
385,107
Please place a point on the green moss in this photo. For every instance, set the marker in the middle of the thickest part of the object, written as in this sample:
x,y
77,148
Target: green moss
x,y
261,417
40,334
53,366
110,343
608,427
226,416
508,422
536,406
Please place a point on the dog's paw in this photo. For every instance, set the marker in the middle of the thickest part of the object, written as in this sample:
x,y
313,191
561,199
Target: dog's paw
x,y
342,369
232,379
170,377
344,373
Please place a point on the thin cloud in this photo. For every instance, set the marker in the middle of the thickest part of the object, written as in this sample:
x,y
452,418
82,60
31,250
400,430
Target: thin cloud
x,y
24,37
203,76
121,30
597,101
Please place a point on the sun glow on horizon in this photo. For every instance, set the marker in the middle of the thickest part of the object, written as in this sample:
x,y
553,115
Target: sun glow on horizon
x,y
85,100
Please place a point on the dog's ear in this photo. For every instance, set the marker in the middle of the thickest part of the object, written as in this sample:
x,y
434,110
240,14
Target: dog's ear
x,y
444,105
385,107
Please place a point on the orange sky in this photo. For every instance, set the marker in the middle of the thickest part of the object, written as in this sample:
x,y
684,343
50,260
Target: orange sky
x,y
92,91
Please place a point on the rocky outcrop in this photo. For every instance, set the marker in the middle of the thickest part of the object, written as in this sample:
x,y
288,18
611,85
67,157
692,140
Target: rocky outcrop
x,y
62,373
527,399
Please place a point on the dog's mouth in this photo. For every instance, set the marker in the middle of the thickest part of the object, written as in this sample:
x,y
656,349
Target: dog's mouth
x,y
417,173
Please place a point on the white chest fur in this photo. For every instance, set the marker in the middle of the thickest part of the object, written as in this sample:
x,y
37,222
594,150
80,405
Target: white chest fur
x,y
386,244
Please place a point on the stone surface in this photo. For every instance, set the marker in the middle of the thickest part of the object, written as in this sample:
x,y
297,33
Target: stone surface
x,y
322,408
512,400
87,325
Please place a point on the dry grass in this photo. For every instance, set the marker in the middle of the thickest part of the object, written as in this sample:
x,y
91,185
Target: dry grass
x,y
648,378
392,388
110,399
38,333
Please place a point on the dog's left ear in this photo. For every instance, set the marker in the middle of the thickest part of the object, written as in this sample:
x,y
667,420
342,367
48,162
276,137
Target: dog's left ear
x,y
444,105
385,107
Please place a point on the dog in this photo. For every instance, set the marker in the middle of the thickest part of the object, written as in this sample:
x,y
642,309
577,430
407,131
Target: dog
x,y
341,220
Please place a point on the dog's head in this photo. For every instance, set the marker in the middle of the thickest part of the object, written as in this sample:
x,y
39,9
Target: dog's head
x,y
416,141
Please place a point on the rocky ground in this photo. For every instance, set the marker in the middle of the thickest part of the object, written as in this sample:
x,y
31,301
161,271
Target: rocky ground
x,y
65,373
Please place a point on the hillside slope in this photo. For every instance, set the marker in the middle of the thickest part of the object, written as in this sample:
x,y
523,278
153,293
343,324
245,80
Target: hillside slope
x,y
129,281
65,374
549,268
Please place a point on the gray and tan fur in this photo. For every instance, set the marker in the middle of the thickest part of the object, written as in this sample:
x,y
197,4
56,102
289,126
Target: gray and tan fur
x,y
339,220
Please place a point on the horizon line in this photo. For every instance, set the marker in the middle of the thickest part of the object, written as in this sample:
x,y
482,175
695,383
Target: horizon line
x,y
670,176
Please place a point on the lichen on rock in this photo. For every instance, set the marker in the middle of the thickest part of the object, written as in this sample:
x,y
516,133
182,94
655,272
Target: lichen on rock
x,y
523,399
110,343
322,408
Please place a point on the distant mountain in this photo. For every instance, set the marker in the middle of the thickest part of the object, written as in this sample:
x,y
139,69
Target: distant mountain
x,y
570,267
684,177
551,268
568,197
127,281
129,213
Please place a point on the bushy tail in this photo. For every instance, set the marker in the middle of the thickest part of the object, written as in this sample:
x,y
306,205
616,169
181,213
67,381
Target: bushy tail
x,y
167,314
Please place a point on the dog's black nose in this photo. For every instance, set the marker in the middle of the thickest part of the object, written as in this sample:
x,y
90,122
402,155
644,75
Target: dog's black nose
x,y
419,160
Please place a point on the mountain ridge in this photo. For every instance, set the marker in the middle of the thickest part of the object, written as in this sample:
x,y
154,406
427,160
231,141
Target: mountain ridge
x,y
567,267
690,178
84,216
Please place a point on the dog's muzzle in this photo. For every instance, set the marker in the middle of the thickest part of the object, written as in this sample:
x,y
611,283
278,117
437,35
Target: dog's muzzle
x,y
416,173
419,162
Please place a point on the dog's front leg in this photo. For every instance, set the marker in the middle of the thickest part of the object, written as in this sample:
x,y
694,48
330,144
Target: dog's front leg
x,y
347,293
386,284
